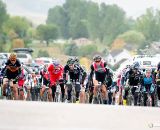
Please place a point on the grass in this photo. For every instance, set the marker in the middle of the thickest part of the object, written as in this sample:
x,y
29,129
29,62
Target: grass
x,y
54,51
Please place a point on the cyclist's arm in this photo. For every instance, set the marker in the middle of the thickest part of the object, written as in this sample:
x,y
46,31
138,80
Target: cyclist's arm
x,y
91,73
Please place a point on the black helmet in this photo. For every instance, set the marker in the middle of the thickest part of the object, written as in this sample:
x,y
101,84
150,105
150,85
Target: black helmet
x,y
97,57
76,59
158,66
70,61
136,65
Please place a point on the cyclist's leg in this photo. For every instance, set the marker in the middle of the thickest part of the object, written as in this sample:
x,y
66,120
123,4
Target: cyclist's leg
x,y
95,82
120,100
5,81
62,89
42,91
145,96
82,95
125,95
91,94
50,94
135,96
77,89
21,93
28,92
158,94
69,89
104,93
15,89
53,91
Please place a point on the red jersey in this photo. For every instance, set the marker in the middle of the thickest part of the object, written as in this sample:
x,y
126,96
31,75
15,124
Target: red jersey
x,y
21,79
55,73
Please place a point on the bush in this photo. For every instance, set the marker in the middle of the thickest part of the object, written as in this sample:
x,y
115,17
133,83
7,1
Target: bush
x,y
87,50
71,49
18,43
42,53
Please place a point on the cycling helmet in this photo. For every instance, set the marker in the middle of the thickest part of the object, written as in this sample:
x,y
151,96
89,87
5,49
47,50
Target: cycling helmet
x,y
70,61
136,65
55,62
76,59
36,71
13,56
158,66
97,58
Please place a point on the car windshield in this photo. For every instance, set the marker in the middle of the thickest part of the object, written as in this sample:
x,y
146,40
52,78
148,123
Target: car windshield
x,y
146,62
21,55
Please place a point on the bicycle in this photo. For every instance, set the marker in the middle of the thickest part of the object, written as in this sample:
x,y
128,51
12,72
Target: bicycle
x,y
45,94
1,81
58,97
99,99
149,99
9,91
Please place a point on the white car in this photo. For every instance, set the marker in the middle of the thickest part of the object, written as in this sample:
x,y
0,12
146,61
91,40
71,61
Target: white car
x,y
6,54
43,60
24,55
3,59
24,58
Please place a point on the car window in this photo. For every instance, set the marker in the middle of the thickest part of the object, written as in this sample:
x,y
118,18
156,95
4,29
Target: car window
x,y
21,55
46,61
146,62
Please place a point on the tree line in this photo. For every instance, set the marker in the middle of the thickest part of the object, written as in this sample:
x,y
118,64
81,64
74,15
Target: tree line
x,y
81,18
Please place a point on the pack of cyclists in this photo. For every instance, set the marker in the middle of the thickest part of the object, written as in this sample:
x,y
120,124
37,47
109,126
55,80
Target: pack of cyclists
x,y
71,83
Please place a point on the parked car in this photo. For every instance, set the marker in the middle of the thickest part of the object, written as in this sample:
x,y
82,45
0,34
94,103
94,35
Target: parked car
x,y
24,55
24,58
43,60
6,54
3,59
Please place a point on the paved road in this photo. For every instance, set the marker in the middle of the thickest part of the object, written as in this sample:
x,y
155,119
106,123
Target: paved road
x,y
17,115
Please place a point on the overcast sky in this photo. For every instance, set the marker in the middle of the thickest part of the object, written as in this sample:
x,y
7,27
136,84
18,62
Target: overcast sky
x,y
37,10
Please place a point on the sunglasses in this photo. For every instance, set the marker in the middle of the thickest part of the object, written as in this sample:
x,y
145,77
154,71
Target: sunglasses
x,y
13,60
97,61
70,65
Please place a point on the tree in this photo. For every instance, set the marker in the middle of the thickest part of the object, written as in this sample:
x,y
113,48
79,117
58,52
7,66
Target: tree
x,y
87,50
47,32
80,30
113,22
93,20
57,16
3,18
18,25
3,14
71,49
133,37
149,25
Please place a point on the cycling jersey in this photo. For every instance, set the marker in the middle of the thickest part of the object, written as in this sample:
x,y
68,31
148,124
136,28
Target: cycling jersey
x,y
100,71
12,70
55,73
147,80
44,77
77,73
134,77
21,79
158,79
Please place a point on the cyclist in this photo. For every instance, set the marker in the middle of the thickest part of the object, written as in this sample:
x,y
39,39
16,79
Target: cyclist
x,y
98,68
21,81
55,74
11,73
44,79
133,80
75,72
83,76
148,87
158,83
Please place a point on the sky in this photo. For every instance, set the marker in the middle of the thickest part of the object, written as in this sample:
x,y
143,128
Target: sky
x,y
36,10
